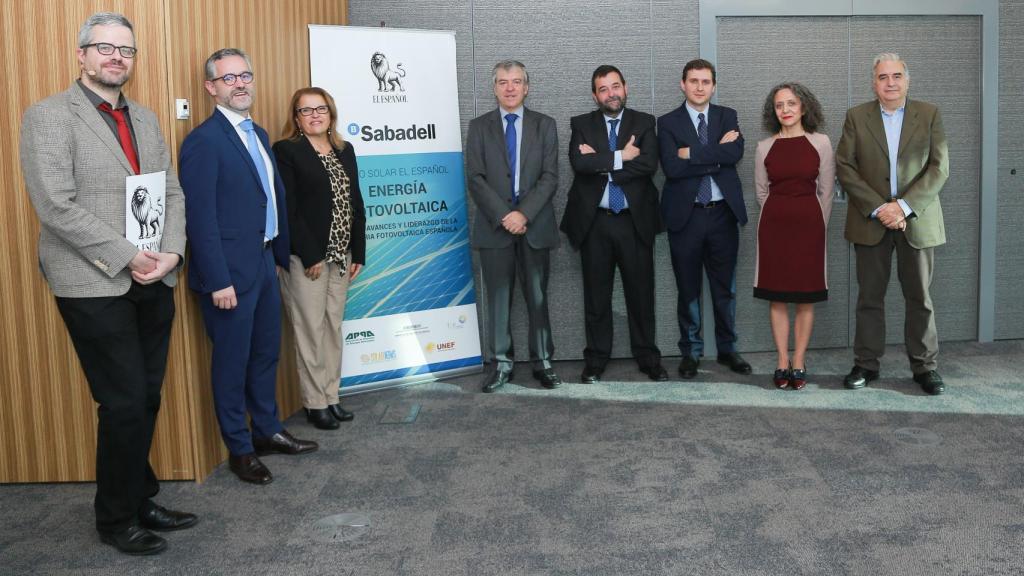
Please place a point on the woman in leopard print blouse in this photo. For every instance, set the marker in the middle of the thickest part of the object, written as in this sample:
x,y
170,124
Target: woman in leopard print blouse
x,y
328,246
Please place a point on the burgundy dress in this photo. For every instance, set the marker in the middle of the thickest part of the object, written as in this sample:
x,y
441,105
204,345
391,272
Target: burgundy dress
x,y
791,228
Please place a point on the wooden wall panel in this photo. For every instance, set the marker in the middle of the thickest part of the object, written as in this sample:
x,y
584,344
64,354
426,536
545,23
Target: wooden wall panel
x,y
47,417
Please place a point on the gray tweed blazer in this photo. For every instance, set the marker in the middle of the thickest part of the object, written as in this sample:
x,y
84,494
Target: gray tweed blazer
x,y
74,171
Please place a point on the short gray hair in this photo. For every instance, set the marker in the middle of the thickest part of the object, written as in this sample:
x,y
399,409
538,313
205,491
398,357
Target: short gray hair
x,y
889,57
507,65
211,68
102,19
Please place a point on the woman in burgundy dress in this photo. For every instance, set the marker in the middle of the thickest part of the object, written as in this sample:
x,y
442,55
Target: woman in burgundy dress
x,y
794,175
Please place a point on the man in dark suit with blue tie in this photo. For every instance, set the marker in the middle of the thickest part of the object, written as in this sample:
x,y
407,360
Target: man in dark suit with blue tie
x,y
612,219
235,208
702,205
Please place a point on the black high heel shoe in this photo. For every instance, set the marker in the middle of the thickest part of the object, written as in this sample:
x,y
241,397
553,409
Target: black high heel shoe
x,y
339,413
321,418
798,378
781,379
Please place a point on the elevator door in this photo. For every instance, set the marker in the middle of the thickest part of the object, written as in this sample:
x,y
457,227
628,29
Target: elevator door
x,y
832,56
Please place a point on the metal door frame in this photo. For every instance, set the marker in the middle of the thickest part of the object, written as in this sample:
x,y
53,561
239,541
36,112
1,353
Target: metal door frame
x,y
988,10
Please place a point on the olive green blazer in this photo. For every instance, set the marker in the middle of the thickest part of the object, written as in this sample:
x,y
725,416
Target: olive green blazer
x,y
862,165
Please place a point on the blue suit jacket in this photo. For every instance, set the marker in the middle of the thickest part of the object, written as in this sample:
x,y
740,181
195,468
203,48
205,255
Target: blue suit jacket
x,y
225,208
682,177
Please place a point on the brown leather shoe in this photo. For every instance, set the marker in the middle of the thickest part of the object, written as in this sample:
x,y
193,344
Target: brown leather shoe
x,y
282,443
248,468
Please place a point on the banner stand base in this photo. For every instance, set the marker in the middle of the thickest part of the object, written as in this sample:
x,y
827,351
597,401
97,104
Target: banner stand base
x,y
410,380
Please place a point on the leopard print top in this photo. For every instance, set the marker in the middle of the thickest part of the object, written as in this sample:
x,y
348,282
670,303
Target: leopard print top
x,y
341,213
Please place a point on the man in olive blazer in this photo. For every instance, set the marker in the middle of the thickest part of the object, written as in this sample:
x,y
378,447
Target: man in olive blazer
x,y
117,301
892,161
512,174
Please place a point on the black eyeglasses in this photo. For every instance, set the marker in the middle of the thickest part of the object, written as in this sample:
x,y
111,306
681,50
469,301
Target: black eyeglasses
x,y
107,49
230,79
307,111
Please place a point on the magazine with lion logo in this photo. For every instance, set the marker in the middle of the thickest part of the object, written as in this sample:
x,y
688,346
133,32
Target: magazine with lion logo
x,y
144,209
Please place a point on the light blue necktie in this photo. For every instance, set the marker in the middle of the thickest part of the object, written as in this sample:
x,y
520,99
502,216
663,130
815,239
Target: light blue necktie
x,y
261,168
704,188
616,196
510,145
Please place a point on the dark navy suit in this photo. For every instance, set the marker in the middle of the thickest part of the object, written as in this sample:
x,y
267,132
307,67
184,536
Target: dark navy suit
x,y
702,238
225,223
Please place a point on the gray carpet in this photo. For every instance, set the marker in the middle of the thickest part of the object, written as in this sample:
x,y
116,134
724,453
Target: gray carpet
x,y
721,475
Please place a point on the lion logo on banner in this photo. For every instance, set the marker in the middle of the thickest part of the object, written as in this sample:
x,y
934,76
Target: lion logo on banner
x,y
385,75
147,213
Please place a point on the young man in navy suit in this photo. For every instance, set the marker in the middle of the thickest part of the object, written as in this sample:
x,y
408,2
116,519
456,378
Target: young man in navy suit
x,y
238,229
702,206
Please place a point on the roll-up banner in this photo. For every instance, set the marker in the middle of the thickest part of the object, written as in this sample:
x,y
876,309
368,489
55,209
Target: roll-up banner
x,y
411,313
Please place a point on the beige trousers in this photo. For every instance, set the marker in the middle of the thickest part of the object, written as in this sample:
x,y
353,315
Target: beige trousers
x,y
316,308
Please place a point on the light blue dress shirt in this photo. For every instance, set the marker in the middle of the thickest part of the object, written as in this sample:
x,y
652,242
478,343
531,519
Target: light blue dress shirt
x,y
716,194
618,159
893,124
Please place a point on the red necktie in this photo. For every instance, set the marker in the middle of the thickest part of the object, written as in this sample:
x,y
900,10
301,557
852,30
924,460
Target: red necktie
x,y
123,134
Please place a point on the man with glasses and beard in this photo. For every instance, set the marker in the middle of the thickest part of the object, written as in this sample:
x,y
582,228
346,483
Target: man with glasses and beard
x,y
612,219
238,227
117,301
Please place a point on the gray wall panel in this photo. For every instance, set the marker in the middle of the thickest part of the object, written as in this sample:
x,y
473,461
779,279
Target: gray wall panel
x,y
943,54
755,54
1010,240
676,30
562,42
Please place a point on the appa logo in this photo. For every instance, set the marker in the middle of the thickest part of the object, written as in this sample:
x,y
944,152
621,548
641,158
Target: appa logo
x,y
360,337
388,80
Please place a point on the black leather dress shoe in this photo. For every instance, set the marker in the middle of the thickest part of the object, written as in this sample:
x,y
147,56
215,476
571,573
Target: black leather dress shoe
x,y
496,380
930,382
859,377
283,443
340,414
135,540
248,468
735,362
321,418
591,375
156,517
688,367
656,372
548,378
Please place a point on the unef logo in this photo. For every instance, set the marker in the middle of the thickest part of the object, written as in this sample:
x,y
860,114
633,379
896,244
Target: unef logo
x,y
359,337
388,80
378,357
440,347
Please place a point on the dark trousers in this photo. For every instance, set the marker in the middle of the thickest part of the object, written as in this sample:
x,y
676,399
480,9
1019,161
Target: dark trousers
x,y
499,269
246,345
914,267
709,242
612,242
122,344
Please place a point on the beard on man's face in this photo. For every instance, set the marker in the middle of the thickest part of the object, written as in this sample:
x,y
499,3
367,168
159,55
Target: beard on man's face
x,y
613,105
